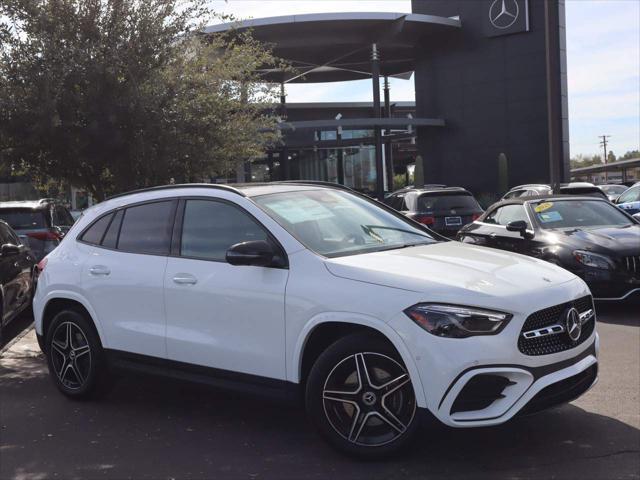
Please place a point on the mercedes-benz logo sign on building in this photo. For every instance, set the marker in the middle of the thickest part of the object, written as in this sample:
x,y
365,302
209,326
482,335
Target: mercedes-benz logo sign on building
x,y
505,17
573,324
504,13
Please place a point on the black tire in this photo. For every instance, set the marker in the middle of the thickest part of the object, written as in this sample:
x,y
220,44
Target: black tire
x,y
75,356
359,419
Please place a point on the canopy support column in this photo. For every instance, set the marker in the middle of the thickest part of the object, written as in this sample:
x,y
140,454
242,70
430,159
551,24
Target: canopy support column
x,y
388,151
375,75
285,169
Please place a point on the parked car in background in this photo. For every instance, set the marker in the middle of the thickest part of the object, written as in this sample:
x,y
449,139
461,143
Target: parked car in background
x,y
613,191
316,293
17,275
443,209
41,224
575,188
587,236
629,201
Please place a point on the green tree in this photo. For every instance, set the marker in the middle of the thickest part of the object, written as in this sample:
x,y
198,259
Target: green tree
x,y
112,95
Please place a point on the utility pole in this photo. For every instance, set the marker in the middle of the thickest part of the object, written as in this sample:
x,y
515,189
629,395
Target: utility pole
x,y
603,144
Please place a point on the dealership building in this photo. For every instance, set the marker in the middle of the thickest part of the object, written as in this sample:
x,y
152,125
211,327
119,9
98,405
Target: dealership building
x,y
491,95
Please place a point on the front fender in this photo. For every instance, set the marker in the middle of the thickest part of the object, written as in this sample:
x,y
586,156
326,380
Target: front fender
x,y
294,367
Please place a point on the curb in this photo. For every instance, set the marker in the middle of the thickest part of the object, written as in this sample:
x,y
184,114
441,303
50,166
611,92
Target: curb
x,y
16,339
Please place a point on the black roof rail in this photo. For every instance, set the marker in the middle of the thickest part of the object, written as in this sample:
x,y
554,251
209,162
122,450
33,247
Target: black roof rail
x,y
214,186
313,182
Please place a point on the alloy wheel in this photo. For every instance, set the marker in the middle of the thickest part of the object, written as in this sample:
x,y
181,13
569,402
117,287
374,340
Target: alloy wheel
x,y
368,399
70,355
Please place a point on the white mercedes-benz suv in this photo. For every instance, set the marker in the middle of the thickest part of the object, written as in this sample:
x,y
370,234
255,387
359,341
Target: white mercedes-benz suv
x,y
304,288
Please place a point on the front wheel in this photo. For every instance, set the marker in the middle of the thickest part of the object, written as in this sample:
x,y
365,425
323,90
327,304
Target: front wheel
x,y
74,354
360,397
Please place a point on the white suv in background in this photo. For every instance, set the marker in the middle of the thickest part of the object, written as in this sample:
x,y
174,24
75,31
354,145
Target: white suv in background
x,y
301,287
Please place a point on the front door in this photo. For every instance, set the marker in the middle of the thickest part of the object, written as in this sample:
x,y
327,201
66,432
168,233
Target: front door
x,y
219,315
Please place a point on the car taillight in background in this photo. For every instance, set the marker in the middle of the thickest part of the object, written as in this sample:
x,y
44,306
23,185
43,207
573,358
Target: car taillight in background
x,y
41,264
45,236
476,216
425,219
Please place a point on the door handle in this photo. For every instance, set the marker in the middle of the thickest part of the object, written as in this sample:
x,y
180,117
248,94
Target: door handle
x,y
185,279
99,270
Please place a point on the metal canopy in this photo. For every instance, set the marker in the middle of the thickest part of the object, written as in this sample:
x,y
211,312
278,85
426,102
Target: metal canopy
x,y
362,123
337,46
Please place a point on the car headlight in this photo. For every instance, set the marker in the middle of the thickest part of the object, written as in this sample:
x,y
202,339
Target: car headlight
x,y
593,260
457,322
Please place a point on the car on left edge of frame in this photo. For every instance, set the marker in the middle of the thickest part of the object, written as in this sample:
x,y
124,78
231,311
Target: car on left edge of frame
x,y
17,275
588,236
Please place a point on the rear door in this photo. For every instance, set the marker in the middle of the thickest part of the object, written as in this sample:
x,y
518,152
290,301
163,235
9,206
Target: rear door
x,y
123,276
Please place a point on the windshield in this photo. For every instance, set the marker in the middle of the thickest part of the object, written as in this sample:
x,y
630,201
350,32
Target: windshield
x,y
23,219
336,223
446,203
579,214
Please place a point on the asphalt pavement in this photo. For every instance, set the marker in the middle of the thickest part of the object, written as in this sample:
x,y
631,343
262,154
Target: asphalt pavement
x,y
152,428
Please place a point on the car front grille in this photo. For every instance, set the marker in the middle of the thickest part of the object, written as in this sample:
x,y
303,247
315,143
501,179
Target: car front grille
x,y
632,264
550,327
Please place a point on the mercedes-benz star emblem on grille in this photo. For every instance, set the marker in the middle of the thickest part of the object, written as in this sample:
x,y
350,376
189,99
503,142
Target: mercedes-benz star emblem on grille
x,y
503,13
573,324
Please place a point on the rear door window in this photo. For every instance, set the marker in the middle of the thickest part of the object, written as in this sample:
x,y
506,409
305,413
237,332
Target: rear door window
x,y
147,228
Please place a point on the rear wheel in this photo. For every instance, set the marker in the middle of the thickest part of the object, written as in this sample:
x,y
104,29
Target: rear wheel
x,y
74,354
360,397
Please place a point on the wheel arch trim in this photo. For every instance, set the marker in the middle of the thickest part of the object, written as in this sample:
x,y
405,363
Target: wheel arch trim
x,y
294,367
68,295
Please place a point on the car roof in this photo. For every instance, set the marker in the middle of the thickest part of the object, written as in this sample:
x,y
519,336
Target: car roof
x,y
434,189
544,198
28,204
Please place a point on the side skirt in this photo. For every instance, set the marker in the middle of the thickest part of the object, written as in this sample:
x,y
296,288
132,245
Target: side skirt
x,y
253,385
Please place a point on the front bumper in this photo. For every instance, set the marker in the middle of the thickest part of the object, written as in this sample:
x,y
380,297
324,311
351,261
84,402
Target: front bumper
x,y
528,390
618,284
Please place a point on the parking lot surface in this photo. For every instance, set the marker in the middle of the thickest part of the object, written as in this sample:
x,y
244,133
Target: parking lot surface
x,y
154,428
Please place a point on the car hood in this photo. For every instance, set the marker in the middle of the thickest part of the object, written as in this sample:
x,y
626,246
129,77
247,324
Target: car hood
x,y
451,269
612,240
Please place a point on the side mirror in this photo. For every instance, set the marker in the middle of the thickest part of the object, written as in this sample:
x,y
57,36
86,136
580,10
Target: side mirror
x,y
258,253
519,226
9,249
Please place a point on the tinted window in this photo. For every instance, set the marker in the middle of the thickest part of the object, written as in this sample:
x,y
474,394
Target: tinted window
x,y
435,203
579,214
96,231
23,218
111,236
147,228
5,236
631,195
62,217
396,202
210,228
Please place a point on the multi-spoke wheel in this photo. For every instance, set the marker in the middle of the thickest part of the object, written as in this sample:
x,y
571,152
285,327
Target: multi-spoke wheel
x,y
74,353
360,396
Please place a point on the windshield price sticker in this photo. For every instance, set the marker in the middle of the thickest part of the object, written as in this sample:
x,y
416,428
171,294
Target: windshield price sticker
x,y
299,211
543,207
549,217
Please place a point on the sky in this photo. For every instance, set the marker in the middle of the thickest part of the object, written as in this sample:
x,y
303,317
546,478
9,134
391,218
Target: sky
x,y
603,50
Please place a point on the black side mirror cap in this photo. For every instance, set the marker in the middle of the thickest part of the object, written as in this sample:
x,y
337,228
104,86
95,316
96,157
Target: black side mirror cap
x,y
519,226
258,253
9,249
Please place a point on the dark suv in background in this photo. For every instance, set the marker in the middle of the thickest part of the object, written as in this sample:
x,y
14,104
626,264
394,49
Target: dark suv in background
x,y
443,209
41,224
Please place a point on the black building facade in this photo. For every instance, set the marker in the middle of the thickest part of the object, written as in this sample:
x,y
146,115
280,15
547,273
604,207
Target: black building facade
x,y
500,84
